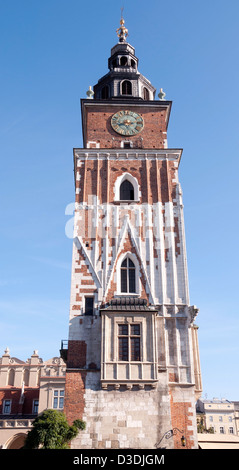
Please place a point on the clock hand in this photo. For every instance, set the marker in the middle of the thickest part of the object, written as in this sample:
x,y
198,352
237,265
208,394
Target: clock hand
x,y
127,122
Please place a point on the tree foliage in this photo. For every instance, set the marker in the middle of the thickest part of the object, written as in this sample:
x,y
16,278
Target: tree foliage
x,y
50,430
201,428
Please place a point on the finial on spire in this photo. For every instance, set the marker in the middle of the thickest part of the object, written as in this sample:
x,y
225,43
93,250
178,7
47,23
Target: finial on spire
x,y
161,95
90,93
122,32
7,351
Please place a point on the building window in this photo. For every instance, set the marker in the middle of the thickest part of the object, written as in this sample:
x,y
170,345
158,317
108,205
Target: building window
x,y
58,399
35,406
211,418
127,269
7,407
129,342
146,94
126,191
221,430
89,305
126,87
230,419
220,418
123,61
127,144
231,430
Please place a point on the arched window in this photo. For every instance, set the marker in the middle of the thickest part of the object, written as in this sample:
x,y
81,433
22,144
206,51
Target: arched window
x,y
126,191
126,87
105,93
123,60
127,272
11,377
146,94
26,377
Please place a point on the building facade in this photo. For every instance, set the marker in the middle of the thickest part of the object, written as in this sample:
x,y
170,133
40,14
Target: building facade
x,y
26,389
236,407
217,414
133,368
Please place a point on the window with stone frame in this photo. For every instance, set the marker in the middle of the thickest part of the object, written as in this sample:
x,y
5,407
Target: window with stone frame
x,y
146,93
58,399
89,305
35,406
128,281
129,339
126,191
126,87
7,407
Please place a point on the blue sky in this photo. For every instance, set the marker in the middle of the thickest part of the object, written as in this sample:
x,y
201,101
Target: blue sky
x,y
51,51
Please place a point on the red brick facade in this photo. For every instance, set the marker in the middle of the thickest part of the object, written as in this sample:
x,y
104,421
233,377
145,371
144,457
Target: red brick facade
x,y
156,178
181,417
98,126
76,354
14,394
74,394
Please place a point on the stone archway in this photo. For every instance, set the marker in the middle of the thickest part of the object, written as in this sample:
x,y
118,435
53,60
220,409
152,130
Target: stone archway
x,y
16,441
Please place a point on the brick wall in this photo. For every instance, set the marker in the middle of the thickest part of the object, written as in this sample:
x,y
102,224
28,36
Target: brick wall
x,y
74,402
157,179
181,417
75,380
98,125
76,355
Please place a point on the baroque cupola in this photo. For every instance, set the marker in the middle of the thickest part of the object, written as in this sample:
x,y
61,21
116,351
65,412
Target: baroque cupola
x,y
123,81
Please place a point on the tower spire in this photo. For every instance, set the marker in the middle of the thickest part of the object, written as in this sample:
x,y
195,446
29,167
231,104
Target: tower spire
x,y
122,32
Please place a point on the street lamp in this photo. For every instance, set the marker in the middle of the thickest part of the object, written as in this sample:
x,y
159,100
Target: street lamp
x,y
183,441
171,433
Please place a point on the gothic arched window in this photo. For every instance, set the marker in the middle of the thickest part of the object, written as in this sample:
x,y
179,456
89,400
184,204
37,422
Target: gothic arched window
x,y
126,191
126,87
127,272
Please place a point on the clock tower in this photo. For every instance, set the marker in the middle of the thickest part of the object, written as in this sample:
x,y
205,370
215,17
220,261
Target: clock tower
x,y
133,370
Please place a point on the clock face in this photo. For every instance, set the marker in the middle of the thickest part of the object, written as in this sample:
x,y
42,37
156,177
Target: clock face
x,y
127,122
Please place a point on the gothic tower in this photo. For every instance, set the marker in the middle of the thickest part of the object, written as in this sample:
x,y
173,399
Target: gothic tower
x,y
133,370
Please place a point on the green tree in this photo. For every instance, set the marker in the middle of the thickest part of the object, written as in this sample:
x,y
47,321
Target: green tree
x,y
201,428
50,430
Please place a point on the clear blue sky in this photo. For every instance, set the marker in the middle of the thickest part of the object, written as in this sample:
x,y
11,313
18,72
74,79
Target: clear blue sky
x,y
51,51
